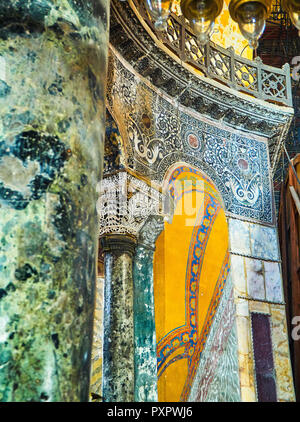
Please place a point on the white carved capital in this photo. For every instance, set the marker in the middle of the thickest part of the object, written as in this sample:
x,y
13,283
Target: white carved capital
x,y
125,203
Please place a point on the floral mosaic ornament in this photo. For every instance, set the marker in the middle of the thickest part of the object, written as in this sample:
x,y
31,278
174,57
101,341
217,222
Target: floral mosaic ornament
x,y
238,165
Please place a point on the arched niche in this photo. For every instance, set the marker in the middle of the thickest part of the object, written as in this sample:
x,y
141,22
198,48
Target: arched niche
x,y
191,265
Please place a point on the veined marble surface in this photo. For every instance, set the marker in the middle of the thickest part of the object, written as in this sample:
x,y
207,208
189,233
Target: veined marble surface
x,y
118,340
53,70
217,377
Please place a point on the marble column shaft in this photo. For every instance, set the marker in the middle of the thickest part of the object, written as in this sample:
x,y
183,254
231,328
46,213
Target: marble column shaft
x,y
144,317
144,326
118,339
53,59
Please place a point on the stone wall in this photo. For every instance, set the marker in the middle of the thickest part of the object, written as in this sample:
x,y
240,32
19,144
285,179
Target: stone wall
x,y
256,275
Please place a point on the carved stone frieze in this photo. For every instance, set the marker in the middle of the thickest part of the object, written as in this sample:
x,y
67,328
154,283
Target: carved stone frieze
x,y
150,231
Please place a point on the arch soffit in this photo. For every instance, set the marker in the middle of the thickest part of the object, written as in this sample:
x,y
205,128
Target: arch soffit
x,y
199,174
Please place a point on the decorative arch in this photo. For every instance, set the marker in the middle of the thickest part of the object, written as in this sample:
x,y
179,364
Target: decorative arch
x,y
192,160
181,168
191,265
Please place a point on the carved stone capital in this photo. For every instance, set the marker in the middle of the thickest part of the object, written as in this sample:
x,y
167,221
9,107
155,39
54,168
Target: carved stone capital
x,y
150,231
118,244
124,203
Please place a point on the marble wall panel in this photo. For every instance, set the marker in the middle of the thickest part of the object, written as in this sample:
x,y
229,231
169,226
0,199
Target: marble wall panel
x,y
97,351
284,384
239,236
264,242
245,360
225,384
255,278
253,239
217,377
273,282
238,275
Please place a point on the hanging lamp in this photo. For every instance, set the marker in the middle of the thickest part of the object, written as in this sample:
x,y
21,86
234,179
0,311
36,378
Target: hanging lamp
x,y
201,15
159,11
293,9
251,17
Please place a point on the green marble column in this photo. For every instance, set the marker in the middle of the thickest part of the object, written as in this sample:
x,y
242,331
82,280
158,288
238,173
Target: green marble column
x,y
53,57
144,319
118,339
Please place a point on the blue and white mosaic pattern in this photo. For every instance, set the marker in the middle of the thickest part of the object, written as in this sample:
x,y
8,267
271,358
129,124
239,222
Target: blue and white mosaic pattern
x,y
160,135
